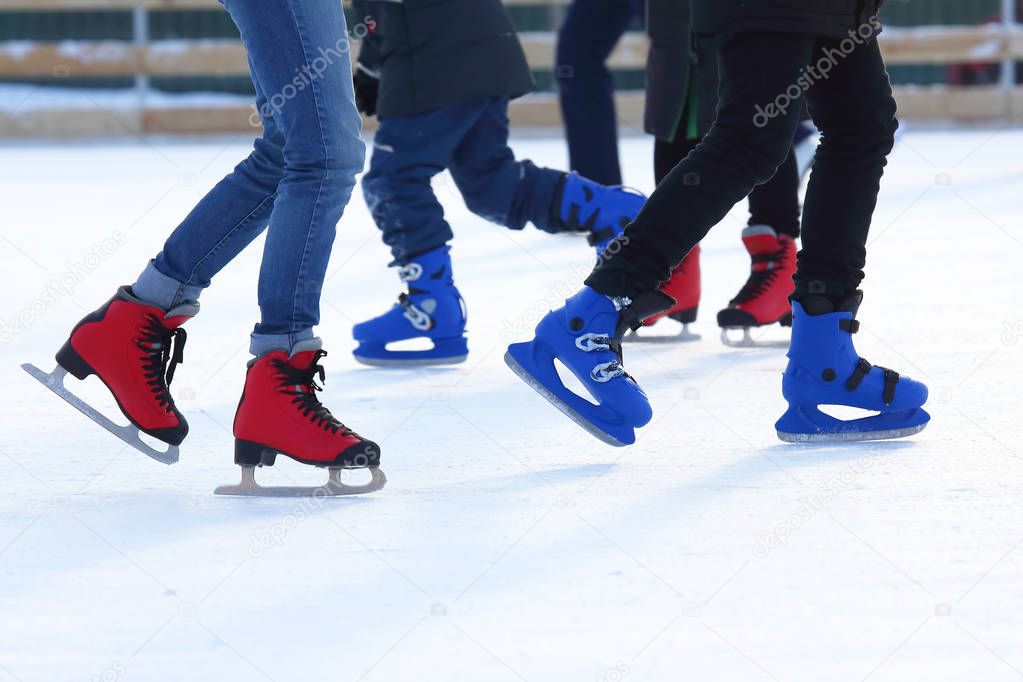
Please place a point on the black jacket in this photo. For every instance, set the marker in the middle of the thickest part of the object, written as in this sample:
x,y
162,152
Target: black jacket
x,y
826,18
434,53
675,64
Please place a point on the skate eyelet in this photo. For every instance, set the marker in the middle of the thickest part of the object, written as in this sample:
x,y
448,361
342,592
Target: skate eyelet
x,y
576,324
828,375
593,342
606,372
410,272
416,317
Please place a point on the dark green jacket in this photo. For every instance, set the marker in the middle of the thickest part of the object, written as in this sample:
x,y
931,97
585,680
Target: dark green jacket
x,y
825,18
675,64
433,53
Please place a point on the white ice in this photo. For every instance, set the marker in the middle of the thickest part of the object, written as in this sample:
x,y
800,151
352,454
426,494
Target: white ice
x,y
509,544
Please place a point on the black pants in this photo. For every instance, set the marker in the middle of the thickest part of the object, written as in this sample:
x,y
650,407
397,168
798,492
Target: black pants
x,y
855,111
774,203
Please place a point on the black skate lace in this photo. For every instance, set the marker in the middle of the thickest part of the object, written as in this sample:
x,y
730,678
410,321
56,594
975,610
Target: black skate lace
x,y
164,351
302,383
759,280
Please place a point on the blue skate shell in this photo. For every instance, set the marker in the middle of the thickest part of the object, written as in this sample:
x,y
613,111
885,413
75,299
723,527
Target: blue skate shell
x,y
822,358
621,407
434,303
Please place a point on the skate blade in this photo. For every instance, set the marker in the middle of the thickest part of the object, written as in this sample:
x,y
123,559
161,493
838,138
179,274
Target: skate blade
x,y
850,436
747,340
409,362
129,434
557,402
334,487
684,336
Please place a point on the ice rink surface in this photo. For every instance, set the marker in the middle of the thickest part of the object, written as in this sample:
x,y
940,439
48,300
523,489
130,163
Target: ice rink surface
x,y
509,544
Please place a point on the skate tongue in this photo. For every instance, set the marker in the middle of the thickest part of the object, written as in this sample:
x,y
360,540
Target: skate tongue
x,y
177,316
760,240
641,308
824,305
173,318
304,353
817,305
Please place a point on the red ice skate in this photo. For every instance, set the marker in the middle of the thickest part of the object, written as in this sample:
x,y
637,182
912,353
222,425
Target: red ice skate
x,y
684,287
279,413
764,299
133,348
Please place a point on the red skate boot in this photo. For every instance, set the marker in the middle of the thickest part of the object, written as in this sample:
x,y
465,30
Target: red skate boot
x,y
684,287
279,413
764,299
133,348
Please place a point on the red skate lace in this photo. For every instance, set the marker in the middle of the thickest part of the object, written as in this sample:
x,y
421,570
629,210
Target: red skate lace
x,y
164,351
301,383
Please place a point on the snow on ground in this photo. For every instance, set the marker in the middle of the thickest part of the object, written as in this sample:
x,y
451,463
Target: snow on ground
x,y
509,544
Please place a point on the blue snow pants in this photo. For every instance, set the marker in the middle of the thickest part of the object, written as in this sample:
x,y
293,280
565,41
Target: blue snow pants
x,y
471,141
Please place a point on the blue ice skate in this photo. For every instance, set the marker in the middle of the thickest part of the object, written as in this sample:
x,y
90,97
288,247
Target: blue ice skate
x,y
585,335
824,369
432,309
603,211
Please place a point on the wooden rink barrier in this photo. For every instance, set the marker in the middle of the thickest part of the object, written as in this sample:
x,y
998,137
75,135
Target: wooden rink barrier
x,y
141,59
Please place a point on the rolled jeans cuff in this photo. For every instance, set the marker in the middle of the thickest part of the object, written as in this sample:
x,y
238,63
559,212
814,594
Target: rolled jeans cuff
x,y
163,291
260,344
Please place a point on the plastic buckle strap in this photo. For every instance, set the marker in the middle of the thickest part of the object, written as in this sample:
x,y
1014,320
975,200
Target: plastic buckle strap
x,y
851,326
891,379
593,342
606,372
419,319
862,369
410,272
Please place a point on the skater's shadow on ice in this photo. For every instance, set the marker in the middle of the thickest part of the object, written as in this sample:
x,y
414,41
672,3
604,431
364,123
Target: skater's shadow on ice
x,y
691,367
802,454
400,375
766,468
532,479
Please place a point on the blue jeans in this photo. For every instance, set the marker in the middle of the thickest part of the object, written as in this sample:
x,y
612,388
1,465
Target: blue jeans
x,y
471,141
297,180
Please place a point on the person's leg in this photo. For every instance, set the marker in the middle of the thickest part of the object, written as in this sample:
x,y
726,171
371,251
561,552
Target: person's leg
x,y
684,284
512,193
296,182
223,223
776,202
493,183
770,240
667,155
591,30
742,150
408,151
855,111
288,42
300,55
